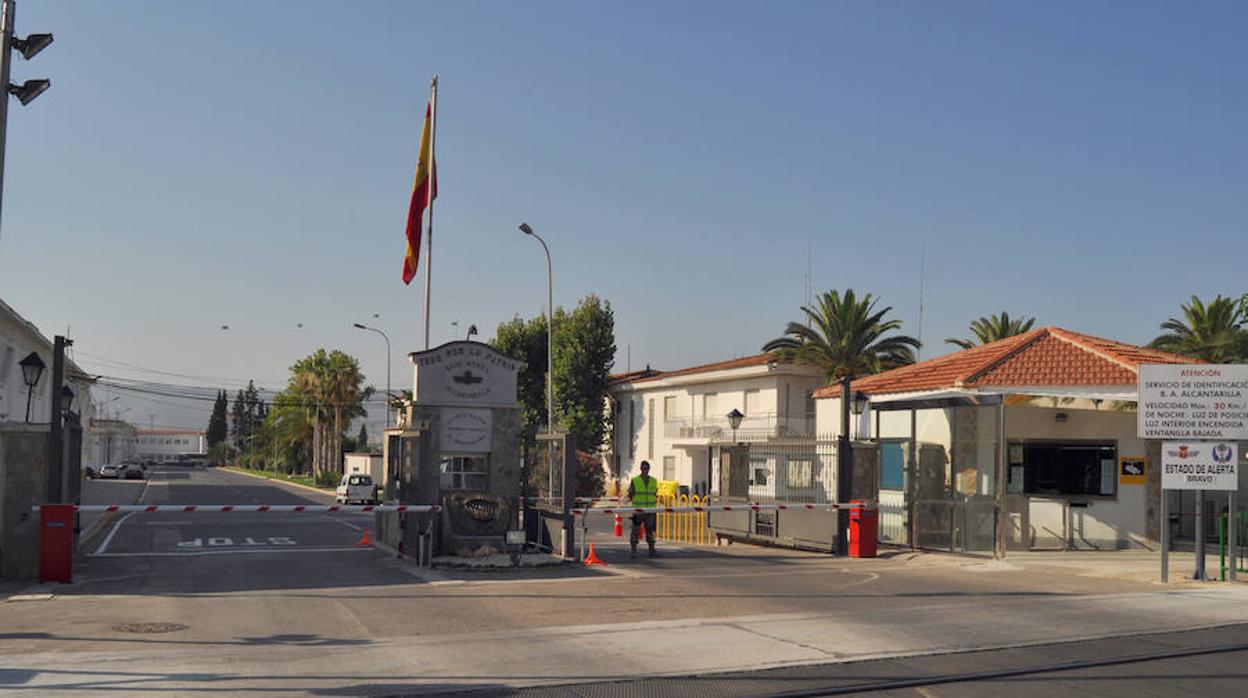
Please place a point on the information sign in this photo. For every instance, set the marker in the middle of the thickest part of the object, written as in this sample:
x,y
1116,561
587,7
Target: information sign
x,y
1193,401
1199,465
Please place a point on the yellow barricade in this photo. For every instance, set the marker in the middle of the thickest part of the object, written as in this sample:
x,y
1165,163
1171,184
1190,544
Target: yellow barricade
x,y
683,526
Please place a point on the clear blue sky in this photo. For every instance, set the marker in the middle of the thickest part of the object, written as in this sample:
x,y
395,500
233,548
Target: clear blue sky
x,y
243,163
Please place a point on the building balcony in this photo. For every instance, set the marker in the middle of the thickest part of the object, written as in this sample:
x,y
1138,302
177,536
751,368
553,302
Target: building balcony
x,y
759,427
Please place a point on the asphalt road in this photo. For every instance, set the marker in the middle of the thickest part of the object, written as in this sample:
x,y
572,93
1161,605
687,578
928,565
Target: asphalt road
x,y
284,603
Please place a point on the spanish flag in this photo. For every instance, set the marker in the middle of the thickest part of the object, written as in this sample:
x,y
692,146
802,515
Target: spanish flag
x,y
421,197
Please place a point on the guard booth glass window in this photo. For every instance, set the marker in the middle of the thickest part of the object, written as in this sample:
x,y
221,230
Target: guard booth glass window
x,y
463,473
1071,469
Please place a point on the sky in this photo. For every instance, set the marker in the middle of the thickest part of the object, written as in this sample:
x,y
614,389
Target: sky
x,y
198,165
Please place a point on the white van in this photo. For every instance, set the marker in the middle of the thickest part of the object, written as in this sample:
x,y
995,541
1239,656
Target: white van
x,y
356,488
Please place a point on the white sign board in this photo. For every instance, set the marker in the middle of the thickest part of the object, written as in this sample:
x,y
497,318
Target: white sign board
x,y
1199,465
466,430
465,373
1193,401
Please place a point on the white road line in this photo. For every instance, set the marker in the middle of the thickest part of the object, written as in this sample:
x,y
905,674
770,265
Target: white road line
x,y
253,551
109,538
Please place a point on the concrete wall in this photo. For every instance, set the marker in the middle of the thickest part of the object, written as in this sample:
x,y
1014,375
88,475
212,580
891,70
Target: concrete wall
x,y
23,458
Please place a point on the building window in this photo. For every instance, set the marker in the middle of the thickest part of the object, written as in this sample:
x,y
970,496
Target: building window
x,y
650,429
800,474
892,465
669,467
708,406
463,473
760,473
632,427
669,408
753,402
1063,468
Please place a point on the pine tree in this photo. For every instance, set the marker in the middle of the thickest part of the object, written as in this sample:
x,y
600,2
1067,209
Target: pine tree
x,y
238,421
361,439
217,427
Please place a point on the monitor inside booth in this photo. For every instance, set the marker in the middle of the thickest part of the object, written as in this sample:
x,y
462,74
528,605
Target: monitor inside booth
x,y
1064,468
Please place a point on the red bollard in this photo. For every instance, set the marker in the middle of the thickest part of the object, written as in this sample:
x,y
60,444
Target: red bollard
x,y
56,543
619,526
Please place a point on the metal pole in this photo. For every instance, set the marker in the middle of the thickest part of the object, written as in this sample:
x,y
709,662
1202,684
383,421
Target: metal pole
x,y
56,447
1231,533
1165,539
433,184
998,550
844,473
6,60
1199,572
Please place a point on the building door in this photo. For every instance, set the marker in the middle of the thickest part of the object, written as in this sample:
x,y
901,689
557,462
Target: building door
x,y
734,473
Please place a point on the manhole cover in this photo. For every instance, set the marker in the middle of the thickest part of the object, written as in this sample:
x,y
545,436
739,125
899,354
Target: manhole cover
x,y
149,627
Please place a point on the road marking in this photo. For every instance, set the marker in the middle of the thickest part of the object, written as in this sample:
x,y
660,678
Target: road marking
x,y
109,538
227,542
238,551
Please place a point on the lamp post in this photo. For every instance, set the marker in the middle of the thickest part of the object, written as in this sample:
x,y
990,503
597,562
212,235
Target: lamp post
x,y
844,472
32,369
27,91
550,352
857,406
734,421
472,330
360,326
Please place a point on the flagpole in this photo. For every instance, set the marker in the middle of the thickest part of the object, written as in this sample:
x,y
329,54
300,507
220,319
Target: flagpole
x,y
433,183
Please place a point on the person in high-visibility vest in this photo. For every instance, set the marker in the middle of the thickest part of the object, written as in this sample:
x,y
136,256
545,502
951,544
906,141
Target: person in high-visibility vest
x,y
643,492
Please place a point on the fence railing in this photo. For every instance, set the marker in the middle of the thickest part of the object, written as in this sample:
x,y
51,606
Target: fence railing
x,y
684,526
758,426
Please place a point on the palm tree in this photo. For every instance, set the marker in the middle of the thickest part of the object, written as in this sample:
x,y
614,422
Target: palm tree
x,y
1217,332
845,337
994,327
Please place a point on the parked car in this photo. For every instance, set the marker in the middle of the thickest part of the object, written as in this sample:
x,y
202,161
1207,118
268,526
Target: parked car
x,y
90,472
356,488
135,471
109,471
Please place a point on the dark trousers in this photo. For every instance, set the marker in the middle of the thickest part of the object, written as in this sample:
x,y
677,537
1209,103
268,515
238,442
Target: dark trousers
x,y
638,520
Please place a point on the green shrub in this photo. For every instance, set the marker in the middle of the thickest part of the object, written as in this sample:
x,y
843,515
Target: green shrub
x,y
327,479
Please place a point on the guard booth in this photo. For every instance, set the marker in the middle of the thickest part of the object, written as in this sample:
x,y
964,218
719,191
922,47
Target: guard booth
x,y
456,444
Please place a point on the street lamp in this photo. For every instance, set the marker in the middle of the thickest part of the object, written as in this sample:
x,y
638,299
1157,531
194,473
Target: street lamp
x,y
67,399
27,91
550,331
360,326
857,406
32,369
734,421
472,330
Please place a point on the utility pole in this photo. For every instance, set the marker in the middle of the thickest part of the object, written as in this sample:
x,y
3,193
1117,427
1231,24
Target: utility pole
x,y
844,473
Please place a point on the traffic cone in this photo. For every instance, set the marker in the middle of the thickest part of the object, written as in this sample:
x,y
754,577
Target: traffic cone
x,y
593,557
619,526
366,540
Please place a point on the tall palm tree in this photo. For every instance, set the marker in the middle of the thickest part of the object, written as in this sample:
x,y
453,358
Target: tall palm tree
x,y
994,327
845,337
1217,332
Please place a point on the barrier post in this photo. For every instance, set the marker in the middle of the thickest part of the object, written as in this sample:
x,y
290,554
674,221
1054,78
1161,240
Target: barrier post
x,y
56,543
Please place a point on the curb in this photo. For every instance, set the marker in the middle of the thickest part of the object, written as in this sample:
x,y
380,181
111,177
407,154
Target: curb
x,y
300,485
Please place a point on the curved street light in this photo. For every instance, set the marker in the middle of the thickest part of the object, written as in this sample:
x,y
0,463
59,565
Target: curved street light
x,y
361,326
550,330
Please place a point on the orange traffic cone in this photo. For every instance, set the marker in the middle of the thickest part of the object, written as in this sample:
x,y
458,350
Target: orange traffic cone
x,y
366,540
619,526
593,557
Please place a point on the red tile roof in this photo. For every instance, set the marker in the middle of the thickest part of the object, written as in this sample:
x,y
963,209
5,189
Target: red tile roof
x,y
1048,356
650,374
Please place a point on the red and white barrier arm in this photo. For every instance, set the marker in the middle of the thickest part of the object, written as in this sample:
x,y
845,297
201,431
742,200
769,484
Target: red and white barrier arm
x,y
718,507
249,508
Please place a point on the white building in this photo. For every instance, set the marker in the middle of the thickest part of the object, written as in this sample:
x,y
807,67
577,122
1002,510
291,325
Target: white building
x,y
678,420
164,445
1025,443
19,338
108,441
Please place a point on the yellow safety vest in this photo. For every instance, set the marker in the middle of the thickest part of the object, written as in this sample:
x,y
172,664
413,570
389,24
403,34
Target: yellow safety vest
x,y
644,490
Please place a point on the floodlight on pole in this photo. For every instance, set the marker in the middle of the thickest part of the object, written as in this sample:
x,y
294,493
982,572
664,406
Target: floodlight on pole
x,y
31,45
27,91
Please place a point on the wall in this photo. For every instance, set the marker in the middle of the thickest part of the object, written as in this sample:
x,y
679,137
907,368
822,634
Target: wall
x,y
23,455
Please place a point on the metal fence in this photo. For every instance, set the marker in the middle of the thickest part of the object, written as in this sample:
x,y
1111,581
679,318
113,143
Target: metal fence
x,y
797,471
757,426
